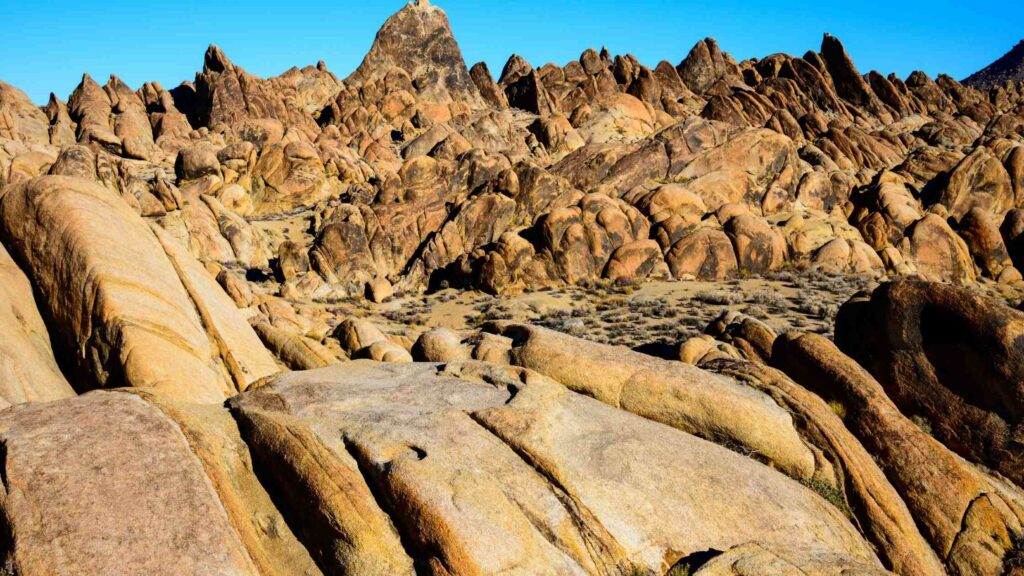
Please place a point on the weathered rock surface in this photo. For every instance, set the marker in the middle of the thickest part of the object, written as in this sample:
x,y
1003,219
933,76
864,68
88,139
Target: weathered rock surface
x,y
674,394
490,470
125,314
188,245
973,522
119,489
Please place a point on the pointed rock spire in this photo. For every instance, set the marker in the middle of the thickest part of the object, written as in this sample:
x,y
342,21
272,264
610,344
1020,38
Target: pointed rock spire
x,y
849,84
705,65
419,40
216,61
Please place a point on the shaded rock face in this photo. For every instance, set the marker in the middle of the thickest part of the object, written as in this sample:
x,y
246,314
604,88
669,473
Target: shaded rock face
x,y
965,515
29,371
1008,68
949,356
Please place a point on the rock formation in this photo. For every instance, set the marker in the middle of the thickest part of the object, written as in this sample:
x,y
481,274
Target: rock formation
x,y
195,377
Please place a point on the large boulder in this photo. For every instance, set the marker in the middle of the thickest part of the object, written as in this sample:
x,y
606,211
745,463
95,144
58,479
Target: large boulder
x,y
758,167
972,521
937,251
978,181
705,254
109,484
759,247
683,397
21,120
845,471
980,232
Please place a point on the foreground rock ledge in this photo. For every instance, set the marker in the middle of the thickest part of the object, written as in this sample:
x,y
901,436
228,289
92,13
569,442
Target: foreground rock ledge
x,y
392,469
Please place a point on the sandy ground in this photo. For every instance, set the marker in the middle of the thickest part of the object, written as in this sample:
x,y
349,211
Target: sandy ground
x,y
655,317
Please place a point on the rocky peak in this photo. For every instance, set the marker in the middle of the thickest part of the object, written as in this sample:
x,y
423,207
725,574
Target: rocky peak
x,y
515,68
850,85
705,65
216,60
1010,67
418,39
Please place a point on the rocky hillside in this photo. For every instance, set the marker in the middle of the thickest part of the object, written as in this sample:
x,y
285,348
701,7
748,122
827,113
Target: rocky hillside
x,y
190,385
1009,68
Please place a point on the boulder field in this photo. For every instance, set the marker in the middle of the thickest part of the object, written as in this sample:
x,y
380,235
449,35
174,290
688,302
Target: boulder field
x,y
181,395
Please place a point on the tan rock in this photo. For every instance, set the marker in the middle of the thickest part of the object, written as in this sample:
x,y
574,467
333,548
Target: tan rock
x,y
114,330
362,339
844,469
296,351
120,491
28,370
440,345
759,247
500,470
681,396
706,254
979,181
937,251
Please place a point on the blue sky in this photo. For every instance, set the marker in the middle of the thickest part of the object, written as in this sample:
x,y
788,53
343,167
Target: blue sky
x,y
50,43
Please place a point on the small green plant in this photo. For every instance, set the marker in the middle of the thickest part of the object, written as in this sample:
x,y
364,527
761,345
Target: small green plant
x,y
838,408
680,570
922,423
831,494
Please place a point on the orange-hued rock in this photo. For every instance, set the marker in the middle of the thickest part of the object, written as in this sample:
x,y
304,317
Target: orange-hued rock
x,y
141,319
304,314
972,520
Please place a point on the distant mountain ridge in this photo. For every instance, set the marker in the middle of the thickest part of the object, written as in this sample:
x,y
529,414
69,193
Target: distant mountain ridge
x,y
1009,67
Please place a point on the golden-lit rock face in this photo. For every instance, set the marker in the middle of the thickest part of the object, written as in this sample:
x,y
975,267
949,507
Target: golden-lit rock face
x,y
217,354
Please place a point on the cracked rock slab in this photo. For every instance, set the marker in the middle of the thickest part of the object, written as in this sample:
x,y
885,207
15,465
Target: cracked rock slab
x,y
478,469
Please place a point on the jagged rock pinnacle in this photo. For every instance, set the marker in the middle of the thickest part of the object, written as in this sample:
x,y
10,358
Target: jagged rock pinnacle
x,y
418,39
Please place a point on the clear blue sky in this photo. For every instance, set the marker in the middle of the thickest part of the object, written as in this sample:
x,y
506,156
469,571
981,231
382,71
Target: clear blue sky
x,y
51,42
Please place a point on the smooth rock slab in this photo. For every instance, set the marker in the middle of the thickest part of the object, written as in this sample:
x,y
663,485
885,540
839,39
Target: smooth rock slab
x,y
681,396
119,308
106,484
479,469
